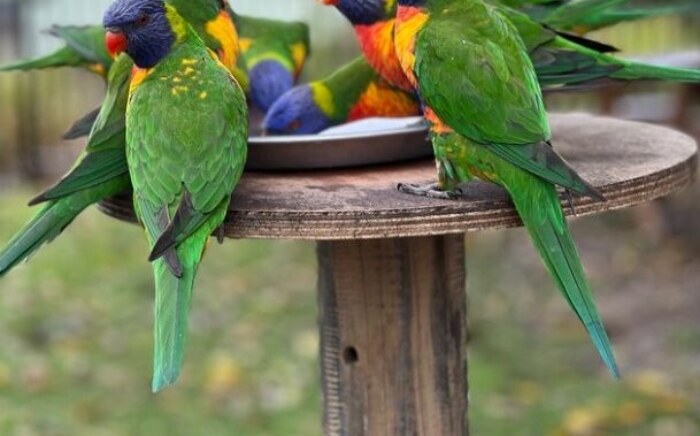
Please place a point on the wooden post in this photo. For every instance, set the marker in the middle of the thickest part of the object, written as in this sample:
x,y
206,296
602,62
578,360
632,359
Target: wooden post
x,y
393,336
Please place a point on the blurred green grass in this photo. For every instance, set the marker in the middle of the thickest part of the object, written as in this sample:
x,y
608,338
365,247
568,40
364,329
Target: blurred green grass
x,y
75,339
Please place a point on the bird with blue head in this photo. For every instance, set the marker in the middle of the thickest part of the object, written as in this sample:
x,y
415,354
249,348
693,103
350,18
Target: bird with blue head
x,y
186,146
274,53
373,22
140,28
353,92
297,112
268,80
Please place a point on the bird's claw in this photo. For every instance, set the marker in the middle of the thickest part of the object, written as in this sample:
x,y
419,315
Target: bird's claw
x,y
431,190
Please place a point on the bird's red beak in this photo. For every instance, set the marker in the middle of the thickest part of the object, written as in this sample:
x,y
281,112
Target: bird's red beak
x,y
330,2
116,42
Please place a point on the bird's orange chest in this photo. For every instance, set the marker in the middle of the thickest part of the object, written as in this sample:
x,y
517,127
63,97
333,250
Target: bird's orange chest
x,y
409,22
377,42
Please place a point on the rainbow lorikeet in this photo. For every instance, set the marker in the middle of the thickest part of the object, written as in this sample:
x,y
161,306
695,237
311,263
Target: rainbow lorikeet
x,y
353,92
84,47
562,61
187,133
486,111
101,171
274,54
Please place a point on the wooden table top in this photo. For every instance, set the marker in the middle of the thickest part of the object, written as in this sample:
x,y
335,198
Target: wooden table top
x,y
629,162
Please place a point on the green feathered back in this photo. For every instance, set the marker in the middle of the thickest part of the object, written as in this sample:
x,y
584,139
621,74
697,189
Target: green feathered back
x,y
186,147
509,110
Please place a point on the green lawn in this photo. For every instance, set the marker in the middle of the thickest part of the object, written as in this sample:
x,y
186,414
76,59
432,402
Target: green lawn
x,y
75,335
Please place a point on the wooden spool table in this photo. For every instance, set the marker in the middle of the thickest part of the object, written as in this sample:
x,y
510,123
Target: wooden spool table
x,y
391,281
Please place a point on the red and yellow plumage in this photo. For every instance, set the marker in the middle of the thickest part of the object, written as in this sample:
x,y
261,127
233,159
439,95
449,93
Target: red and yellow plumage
x,y
377,43
410,20
382,100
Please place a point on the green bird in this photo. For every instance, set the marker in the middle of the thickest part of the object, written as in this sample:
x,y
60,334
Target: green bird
x,y
353,92
563,61
488,121
101,171
274,53
84,47
186,136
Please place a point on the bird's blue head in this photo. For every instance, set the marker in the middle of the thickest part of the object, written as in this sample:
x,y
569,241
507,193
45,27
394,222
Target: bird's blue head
x,y
363,11
296,113
141,28
268,80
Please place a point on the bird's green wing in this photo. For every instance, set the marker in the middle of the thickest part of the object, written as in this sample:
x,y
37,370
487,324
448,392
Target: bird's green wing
x,y
588,15
83,126
474,71
572,14
186,147
196,162
105,156
481,82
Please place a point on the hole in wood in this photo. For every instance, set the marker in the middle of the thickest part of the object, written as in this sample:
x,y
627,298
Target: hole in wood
x,y
350,355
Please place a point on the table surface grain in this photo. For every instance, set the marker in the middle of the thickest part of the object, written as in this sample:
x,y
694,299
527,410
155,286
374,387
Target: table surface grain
x,y
629,162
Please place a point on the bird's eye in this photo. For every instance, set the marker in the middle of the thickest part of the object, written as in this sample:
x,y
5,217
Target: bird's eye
x,y
142,20
222,4
294,125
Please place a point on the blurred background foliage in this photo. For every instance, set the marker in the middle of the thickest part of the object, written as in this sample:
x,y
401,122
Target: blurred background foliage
x,y
75,323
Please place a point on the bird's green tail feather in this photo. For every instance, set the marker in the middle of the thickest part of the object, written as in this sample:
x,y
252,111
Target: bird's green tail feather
x,y
636,71
624,15
63,57
538,205
173,296
46,225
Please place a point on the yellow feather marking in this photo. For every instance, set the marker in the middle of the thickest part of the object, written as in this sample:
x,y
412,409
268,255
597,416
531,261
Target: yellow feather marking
x,y
189,71
177,23
409,22
389,6
244,44
223,30
323,97
138,75
188,61
176,90
177,79
298,56
203,95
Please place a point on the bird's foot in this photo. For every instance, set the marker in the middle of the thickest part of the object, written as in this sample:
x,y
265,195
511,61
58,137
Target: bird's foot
x,y
431,190
220,234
